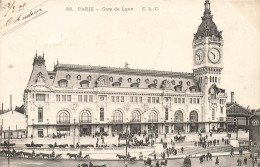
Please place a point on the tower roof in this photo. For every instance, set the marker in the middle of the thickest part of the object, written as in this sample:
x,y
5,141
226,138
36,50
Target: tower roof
x,y
207,27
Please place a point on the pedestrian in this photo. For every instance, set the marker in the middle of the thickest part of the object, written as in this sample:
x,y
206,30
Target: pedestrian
x,y
157,164
245,161
182,149
217,161
201,159
210,156
154,156
238,162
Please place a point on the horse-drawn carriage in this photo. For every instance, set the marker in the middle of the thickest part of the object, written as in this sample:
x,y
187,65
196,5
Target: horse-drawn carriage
x,y
179,138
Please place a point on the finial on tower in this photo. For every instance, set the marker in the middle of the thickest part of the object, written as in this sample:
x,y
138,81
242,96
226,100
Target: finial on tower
x,y
57,61
36,54
207,12
126,65
43,55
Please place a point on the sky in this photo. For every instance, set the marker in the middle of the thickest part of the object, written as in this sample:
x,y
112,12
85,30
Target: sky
x,y
159,39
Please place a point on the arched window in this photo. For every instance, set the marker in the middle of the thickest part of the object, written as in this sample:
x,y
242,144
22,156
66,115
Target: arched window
x,y
84,84
153,117
120,79
89,78
129,80
147,81
68,77
255,122
155,81
178,116
85,116
111,79
194,116
117,116
135,116
180,82
79,77
138,80
173,82
63,83
188,83
63,117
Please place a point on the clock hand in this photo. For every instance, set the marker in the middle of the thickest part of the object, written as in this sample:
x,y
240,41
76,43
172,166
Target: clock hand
x,y
213,54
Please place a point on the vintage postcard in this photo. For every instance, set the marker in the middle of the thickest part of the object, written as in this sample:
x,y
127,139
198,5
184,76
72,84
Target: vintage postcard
x,y
129,83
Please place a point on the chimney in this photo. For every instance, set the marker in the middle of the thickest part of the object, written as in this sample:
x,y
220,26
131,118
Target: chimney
x,y
232,97
2,108
11,102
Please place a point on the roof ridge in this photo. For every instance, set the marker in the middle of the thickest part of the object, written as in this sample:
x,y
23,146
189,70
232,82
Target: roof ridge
x,y
120,68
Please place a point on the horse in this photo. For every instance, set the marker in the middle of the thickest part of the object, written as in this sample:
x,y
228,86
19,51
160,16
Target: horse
x,y
45,155
63,145
38,145
100,165
50,145
18,154
72,155
121,156
29,155
84,165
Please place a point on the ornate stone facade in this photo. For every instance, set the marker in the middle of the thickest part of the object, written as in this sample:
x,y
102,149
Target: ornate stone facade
x,y
113,100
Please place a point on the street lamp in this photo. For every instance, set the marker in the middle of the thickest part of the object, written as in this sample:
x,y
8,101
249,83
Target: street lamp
x,y
209,124
47,127
235,122
74,133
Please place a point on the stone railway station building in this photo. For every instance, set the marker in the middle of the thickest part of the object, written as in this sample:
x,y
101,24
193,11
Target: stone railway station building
x,y
87,99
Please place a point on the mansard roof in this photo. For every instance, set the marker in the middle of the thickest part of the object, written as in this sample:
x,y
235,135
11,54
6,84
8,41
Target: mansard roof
x,y
234,109
122,71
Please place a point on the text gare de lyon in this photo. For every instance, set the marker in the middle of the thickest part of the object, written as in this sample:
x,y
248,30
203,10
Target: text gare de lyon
x,y
125,9
107,9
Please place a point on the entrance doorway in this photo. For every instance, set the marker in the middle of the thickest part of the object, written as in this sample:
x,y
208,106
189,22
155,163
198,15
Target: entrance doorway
x,y
166,129
193,127
135,129
85,130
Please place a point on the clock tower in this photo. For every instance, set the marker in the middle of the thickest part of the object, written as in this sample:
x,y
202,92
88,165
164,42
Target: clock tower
x,y
207,65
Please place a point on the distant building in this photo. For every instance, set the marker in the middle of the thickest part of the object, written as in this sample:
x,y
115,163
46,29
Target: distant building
x,y
17,123
237,115
254,132
89,99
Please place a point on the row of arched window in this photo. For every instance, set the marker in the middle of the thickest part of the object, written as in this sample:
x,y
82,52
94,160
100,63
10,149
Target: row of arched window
x,y
63,83
117,117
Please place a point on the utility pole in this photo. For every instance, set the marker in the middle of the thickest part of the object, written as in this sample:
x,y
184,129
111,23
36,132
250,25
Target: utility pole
x,y
74,134
8,145
79,131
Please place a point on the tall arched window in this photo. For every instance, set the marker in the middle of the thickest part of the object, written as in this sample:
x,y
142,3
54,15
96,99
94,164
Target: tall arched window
x,y
135,116
178,116
153,117
63,117
85,116
63,83
84,84
194,116
117,116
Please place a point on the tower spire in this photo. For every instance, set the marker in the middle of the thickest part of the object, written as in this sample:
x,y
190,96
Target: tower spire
x,y
207,11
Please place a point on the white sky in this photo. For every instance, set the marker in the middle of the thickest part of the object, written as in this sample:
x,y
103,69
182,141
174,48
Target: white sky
x,y
159,40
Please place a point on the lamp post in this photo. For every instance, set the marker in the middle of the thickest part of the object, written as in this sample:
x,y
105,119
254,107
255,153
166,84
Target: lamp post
x,y
47,127
209,124
74,134
235,122
79,132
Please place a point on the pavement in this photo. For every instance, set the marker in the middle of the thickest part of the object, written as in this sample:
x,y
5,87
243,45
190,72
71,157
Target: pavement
x,y
111,152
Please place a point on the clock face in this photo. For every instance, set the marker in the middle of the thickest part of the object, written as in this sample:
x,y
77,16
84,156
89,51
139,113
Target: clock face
x,y
199,56
214,55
